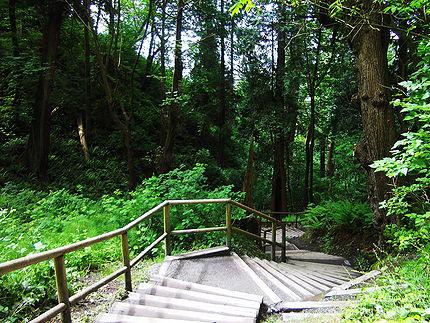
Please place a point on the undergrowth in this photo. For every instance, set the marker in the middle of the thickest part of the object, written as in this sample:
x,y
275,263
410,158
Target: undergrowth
x,y
404,294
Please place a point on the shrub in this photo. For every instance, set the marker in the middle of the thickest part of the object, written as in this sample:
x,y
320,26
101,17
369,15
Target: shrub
x,y
338,215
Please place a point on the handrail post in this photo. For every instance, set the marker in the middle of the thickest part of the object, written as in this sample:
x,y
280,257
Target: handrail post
x,y
284,243
62,290
167,230
273,241
228,224
126,261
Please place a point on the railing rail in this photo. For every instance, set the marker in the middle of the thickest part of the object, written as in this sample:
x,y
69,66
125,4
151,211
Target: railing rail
x,y
65,301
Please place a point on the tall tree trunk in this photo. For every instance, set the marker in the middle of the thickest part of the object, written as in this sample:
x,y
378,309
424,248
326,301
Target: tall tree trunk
x,y
174,109
310,142
330,159
312,80
322,143
279,194
232,51
39,139
84,116
82,137
13,29
222,113
279,197
251,224
248,182
371,44
164,114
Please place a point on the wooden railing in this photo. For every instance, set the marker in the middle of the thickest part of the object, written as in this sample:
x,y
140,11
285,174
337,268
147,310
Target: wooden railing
x,y
65,301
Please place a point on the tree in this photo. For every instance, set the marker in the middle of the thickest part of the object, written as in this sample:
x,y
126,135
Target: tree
x,y
174,107
39,139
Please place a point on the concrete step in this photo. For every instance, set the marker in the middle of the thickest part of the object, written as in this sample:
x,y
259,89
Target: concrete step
x,y
118,318
289,294
164,291
317,257
310,275
271,296
297,288
306,278
302,280
209,252
188,305
180,284
329,276
167,313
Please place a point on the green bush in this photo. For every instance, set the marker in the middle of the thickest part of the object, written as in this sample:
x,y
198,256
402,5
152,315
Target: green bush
x,y
339,215
404,294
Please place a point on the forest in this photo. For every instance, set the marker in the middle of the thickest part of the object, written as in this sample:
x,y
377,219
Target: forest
x,y
318,109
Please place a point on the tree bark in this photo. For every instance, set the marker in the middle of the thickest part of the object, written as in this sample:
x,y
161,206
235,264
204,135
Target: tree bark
x,y
330,159
279,194
174,109
39,140
251,224
322,143
82,136
222,113
164,114
371,44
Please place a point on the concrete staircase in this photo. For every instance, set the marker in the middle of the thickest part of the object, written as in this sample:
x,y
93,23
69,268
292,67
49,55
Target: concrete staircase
x,y
217,285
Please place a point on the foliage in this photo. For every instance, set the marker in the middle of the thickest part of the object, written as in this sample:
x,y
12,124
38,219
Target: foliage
x,y
404,294
337,216
409,164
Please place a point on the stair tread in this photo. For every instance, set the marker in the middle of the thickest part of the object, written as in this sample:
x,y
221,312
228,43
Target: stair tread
x,y
291,284
304,278
257,280
159,290
118,318
272,279
214,251
189,305
312,276
124,308
181,284
301,286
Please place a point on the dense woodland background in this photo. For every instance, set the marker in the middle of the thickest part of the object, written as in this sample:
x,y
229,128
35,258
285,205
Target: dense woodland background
x,y
109,107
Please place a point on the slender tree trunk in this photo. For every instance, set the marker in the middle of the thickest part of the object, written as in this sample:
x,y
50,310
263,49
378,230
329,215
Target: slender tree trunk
x,y
39,139
232,52
310,142
371,44
164,114
248,182
251,224
222,113
322,143
312,80
13,29
82,137
174,109
330,159
84,116
279,194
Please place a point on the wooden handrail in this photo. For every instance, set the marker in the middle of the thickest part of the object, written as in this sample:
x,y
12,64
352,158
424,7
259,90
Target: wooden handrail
x,y
65,301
